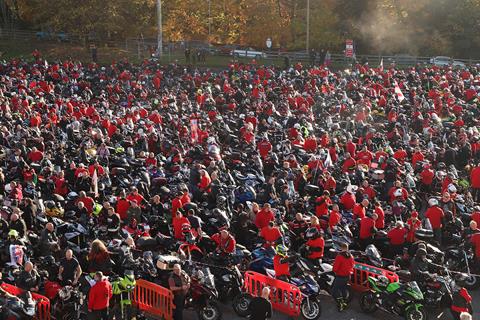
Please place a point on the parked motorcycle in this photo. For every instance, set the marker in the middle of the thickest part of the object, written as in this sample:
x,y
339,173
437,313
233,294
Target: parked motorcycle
x,y
401,299
202,296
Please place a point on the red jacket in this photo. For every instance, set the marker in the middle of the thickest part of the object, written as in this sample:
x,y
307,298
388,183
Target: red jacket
x,y
317,245
100,295
281,269
343,264
225,245
347,200
397,236
475,178
270,235
366,227
263,218
435,215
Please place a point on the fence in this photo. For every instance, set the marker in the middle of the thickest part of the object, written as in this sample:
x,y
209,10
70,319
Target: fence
x,y
284,297
153,299
43,304
359,280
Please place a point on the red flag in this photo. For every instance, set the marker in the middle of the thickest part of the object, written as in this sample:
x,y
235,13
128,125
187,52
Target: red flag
x,y
95,183
398,92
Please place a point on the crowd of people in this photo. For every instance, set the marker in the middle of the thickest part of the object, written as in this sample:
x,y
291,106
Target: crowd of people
x,y
282,158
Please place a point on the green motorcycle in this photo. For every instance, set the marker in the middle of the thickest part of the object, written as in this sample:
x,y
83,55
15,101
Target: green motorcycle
x,y
400,299
122,289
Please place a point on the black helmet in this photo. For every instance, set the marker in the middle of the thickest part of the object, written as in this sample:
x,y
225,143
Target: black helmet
x,y
312,233
460,279
421,253
50,260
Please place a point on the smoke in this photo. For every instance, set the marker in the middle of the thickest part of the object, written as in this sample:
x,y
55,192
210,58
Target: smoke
x,y
406,26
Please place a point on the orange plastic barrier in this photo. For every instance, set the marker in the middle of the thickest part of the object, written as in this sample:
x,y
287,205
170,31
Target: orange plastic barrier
x,y
361,272
284,297
153,299
43,303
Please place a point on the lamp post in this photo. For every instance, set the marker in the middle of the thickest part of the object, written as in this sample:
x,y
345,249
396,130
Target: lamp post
x,y
308,25
209,19
160,35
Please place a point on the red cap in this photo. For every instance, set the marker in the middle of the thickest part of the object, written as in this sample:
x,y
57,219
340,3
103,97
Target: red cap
x,y
414,214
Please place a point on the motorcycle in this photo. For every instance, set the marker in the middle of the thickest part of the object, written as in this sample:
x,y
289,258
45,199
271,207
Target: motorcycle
x,y
262,258
310,307
202,296
19,308
68,304
457,258
407,303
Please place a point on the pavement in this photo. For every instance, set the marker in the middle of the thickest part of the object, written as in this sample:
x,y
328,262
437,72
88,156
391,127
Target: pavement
x,y
329,311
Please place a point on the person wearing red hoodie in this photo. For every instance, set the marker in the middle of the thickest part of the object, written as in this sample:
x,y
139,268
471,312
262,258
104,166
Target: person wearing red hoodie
x,y
264,216
435,214
461,299
475,183
225,242
343,268
99,297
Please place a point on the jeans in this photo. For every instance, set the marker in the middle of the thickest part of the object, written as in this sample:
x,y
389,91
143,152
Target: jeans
x,y
98,314
340,287
179,302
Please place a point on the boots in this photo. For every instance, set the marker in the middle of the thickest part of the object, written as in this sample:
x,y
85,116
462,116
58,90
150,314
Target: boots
x,y
341,304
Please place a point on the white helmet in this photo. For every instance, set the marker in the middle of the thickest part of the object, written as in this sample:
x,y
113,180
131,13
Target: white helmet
x,y
432,202
352,188
452,188
398,193
297,126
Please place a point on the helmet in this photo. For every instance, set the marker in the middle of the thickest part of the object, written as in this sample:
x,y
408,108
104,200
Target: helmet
x,y
221,200
452,188
398,193
281,250
421,252
13,233
50,204
50,260
383,281
432,202
460,279
312,233
119,150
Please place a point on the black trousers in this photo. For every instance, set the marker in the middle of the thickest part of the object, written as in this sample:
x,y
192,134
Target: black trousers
x,y
98,314
179,302
340,287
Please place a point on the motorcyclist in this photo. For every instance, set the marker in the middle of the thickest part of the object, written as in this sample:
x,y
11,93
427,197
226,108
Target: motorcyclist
x,y
29,279
271,234
113,223
461,299
315,245
435,214
420,266
281,262
48,242
225,242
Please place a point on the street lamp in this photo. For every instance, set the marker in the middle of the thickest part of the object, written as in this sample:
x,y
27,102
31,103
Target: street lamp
x,y
160,35
308,24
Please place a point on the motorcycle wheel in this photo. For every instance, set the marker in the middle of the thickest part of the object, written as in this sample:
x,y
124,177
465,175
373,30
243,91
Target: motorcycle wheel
x,y
311,310
414,314
472,282
210,312
240,304
368,303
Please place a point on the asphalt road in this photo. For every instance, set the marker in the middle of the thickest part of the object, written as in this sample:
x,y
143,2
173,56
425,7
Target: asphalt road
x,y
329,311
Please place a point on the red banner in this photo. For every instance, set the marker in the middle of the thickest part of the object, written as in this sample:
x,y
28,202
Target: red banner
x,y
349,48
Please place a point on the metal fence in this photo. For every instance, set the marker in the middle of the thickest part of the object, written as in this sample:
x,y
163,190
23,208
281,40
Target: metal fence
x,y
145,47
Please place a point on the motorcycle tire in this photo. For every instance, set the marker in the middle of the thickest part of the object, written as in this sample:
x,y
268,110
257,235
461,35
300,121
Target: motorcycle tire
x,y
311,309
368,303
472,282
240,304
210,311
415,314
